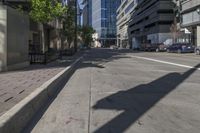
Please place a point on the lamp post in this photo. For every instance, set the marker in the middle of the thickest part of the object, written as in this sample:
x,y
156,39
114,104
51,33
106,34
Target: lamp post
x,y
75,30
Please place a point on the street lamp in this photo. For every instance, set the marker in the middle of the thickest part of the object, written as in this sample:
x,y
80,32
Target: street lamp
x,y
75,19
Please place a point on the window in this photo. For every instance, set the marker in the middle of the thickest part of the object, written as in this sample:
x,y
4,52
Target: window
x,y
129,7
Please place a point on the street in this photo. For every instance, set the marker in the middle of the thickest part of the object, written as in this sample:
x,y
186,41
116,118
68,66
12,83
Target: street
x,y
121,91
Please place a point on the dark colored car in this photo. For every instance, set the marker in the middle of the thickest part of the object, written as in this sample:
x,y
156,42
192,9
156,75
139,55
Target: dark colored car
x,y
181,48
149,47
197,50
162,48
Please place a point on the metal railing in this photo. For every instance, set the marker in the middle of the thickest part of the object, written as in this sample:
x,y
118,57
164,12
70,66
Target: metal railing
x,y
43,58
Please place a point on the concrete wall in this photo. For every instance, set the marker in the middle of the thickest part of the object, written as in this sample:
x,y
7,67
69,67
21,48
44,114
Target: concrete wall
x,y
14,38
18,36
3,40
190,18
189,4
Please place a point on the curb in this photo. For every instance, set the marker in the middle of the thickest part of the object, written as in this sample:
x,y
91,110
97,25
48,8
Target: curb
x,y
15,119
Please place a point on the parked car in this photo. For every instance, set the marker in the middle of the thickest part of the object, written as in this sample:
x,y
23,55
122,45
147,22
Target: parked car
x,y
197,50
149,47
181,48
162,48
113,47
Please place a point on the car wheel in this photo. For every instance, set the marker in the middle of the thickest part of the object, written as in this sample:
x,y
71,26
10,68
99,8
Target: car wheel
x,y
198,52
179,51
157,50
168,50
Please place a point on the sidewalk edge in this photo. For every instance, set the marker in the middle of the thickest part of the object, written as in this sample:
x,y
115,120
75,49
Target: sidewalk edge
x,y
15,119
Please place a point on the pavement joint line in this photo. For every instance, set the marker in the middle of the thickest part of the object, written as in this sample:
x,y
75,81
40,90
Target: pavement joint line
x,y
165,62
18,116
90,101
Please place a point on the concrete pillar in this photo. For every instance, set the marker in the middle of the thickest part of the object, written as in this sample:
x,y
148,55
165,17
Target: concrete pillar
x,y
14,34
3,40
42,31
198,35
118,42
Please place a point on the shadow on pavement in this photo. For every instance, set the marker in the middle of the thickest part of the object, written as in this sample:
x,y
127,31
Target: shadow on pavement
x,y
136,101
99,57
67,60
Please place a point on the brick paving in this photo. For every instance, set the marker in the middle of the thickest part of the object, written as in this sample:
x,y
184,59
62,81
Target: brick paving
x,y
16,85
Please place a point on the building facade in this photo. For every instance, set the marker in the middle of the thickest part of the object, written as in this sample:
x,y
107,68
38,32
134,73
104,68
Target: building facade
x,y
38,39
126,8
104,20
79,14
190,12
183,35
101,15
87,12
151,22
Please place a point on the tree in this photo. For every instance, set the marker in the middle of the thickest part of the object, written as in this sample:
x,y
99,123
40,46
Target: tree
x,y
86,33
46,10
69,25
174,30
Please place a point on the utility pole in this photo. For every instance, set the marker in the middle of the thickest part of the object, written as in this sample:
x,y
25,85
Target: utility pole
x,y
75,28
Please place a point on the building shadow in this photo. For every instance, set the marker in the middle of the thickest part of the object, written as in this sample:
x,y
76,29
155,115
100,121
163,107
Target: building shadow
x,y
136,101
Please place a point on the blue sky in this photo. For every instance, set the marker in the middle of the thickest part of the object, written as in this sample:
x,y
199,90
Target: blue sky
x,y
80,3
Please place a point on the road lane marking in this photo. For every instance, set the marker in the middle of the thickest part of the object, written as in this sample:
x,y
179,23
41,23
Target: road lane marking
x,y
166,62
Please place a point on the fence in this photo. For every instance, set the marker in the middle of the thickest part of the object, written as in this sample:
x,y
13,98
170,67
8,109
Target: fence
x,y
43,58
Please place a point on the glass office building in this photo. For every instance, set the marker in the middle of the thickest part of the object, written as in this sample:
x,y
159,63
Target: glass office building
x,y
87,12
104,20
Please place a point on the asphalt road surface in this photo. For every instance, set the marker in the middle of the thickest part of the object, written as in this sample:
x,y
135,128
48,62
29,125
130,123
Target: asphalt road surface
x,y
121,91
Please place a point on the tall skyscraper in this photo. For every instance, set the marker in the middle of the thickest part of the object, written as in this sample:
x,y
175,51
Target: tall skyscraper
x,y
101,15
87,12
126,8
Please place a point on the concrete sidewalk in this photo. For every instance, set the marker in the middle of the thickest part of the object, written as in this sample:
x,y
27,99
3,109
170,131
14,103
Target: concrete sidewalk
x,y
70,110
16,85
111,92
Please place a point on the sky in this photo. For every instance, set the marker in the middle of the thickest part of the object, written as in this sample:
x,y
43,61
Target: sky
x,y
80,3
